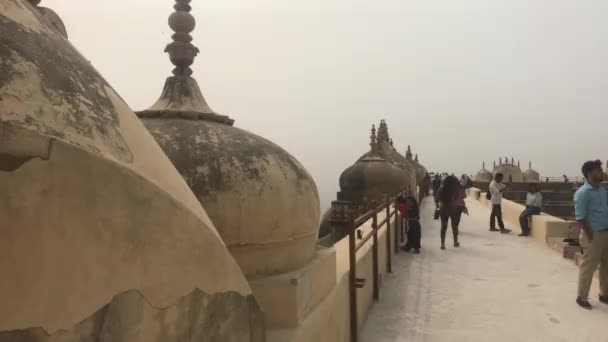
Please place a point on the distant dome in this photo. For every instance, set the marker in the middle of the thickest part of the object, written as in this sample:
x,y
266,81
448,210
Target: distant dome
x,y
263,202
389,153
530,175
510,171
372,177
484,175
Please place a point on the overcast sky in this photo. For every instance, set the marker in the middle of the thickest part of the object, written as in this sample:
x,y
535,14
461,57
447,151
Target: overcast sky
x,y
460,80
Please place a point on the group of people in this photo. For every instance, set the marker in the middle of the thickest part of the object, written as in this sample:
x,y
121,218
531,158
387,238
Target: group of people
x,y
449,195
591,211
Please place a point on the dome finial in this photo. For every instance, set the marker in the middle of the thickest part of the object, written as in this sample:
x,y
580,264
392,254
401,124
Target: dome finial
x,y
181,97
512,161
181,51
495,164
518,165
416,158
530,165
374,141
499,160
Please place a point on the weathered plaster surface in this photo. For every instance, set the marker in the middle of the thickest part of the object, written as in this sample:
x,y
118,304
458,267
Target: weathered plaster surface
x,y
90,206
274,204
129,317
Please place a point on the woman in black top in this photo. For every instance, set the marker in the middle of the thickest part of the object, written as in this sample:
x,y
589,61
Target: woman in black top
x,y
414,232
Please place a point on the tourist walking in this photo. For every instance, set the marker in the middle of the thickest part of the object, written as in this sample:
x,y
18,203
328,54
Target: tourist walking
x,y
451,206
534,202
591,210
496,190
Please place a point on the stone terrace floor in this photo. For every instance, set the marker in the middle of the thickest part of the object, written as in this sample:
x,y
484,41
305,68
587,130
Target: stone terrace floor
x,y
493,288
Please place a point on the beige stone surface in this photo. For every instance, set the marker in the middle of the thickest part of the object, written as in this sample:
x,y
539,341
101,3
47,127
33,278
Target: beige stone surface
x,y
288,298
494,288
329,321
90,205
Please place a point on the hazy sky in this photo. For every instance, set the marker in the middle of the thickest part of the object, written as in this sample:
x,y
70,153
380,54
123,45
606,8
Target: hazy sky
x,y
460,80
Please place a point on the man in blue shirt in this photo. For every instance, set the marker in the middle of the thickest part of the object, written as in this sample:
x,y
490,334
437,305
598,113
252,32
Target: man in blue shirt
x,y
591,209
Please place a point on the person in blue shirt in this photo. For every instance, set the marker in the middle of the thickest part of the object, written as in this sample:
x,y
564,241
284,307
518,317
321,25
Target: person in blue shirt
x,y
591,210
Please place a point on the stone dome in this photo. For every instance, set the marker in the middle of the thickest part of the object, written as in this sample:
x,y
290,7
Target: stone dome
x,y
388,152
530,175
484,175
372,177
93,210
509,170
263,202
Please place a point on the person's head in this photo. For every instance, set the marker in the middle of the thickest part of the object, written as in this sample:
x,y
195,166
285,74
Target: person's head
x,y
534,188
499,177
400,199
592,171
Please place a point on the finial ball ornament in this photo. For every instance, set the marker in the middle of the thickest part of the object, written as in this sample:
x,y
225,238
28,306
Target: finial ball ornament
x,y
182,22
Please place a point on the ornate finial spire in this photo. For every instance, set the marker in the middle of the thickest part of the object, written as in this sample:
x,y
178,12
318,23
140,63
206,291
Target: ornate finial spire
x,y
495,165
483,165
530,165
181,51
499,160
374,142
416,158
512,161
518,164
408,153
181,96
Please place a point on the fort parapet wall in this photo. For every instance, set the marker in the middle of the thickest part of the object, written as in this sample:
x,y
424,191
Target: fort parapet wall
x,y
329,319
544,227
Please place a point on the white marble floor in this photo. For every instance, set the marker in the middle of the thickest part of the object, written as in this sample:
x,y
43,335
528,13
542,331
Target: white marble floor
x,y
493,288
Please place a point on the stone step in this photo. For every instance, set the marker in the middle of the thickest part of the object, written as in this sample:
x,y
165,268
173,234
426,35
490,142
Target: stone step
x,y
563,248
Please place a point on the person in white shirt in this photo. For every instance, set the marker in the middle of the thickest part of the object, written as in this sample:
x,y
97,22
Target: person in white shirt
x,y
496,190
534,203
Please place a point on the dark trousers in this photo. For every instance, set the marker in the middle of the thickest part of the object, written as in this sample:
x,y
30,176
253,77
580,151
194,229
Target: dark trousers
x,y
414,234
525,215
496,215
454,215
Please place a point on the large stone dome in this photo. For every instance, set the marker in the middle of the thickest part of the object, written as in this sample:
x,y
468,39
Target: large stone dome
x,y
372,177
95,219
530,175
264,204
484,175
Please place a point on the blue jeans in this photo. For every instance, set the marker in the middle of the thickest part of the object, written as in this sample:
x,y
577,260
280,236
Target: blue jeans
x,y
525,215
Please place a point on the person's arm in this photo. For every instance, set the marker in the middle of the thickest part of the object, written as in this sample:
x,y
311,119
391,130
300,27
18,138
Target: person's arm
x,y
581,200
539,200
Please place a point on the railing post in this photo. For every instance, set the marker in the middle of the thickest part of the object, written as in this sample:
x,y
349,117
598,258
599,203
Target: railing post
x,y
352,277
389,266
396,230
375,256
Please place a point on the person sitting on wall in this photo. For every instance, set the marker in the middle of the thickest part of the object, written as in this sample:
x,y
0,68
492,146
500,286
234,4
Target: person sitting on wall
x,y
534,202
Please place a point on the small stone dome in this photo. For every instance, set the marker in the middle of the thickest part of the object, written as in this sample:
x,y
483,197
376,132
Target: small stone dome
x,y
372,177
510,171
484,175
530,175
263,202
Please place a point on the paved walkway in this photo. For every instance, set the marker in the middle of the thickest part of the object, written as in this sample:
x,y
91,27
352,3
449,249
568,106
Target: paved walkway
x,y
493,288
